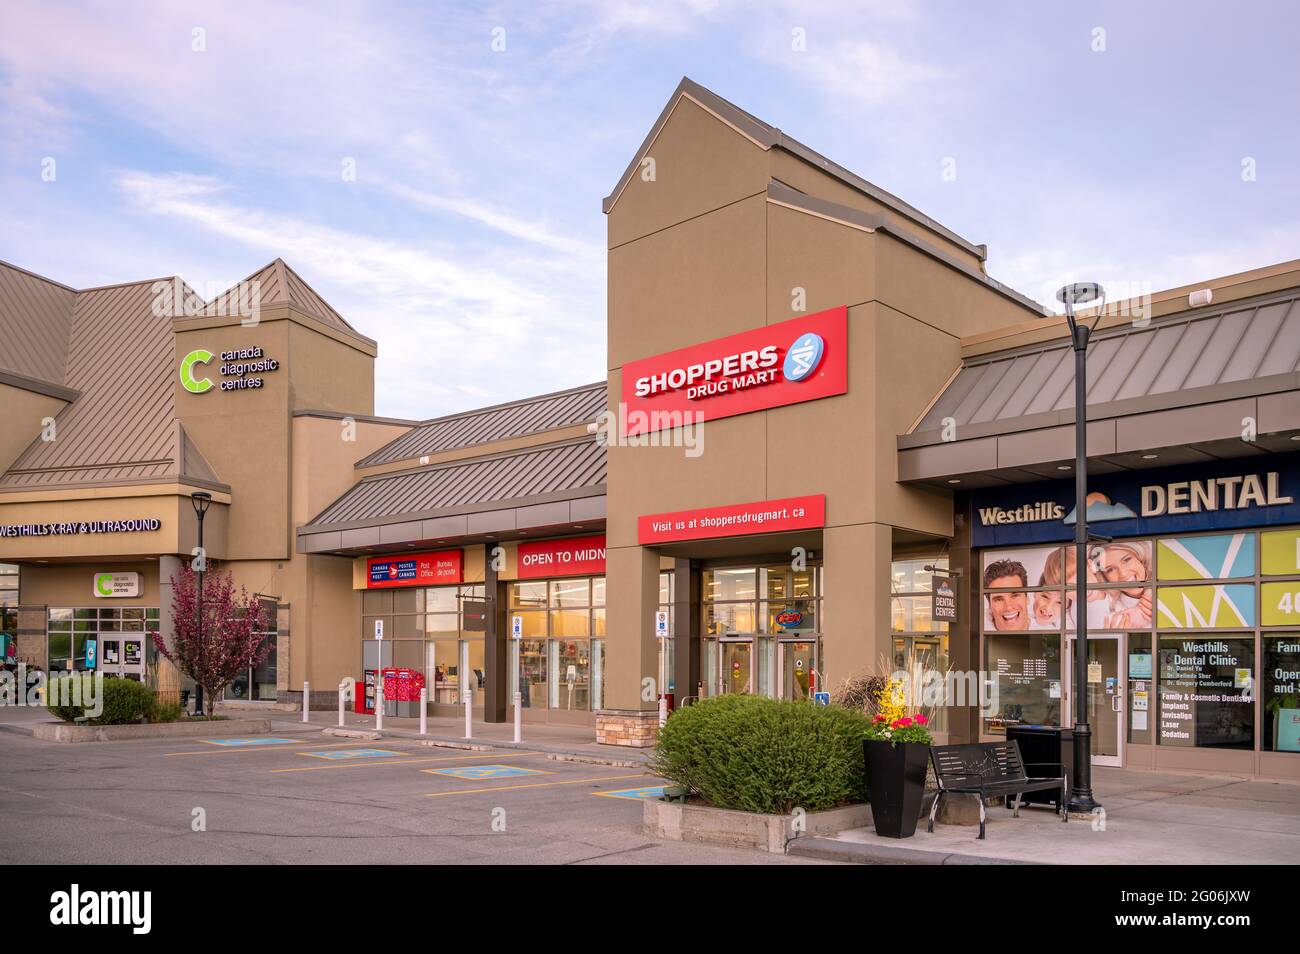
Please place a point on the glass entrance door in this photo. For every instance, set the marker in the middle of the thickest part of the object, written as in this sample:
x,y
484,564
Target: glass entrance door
x,y
798,663
1105,696
736,673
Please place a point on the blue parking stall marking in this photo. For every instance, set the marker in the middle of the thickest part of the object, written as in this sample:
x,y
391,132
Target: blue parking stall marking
x,y
340,754
479,772
635,794
253,741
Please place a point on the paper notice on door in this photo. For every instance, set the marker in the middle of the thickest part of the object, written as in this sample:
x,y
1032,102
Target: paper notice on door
x,y
1054,689
1139,715
1094,672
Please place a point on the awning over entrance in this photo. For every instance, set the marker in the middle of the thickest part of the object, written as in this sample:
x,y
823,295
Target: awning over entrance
x,y
559,487
1192,387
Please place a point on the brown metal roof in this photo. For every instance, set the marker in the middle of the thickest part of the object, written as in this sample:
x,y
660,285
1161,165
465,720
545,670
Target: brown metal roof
x,y
278,284
35,324
1192,350
499,422
483,483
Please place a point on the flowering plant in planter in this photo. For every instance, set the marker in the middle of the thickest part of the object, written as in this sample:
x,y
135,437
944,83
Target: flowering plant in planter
x,y
891,723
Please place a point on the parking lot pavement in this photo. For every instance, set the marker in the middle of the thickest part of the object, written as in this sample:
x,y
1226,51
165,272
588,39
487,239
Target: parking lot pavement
x,y
302,797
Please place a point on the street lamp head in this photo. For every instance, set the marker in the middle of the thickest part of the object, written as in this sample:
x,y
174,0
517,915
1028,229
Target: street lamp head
x,y
201,501
1080,293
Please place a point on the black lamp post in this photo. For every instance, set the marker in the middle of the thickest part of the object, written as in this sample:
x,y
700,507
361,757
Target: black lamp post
x,y
1081,800
201,501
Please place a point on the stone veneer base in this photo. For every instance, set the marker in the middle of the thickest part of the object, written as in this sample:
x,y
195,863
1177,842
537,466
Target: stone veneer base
x,y
628,727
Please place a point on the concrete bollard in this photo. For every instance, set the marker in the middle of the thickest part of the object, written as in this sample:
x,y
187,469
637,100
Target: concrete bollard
x,y
519,716
424,712
379,703
663,711
342,698
306,701
469,714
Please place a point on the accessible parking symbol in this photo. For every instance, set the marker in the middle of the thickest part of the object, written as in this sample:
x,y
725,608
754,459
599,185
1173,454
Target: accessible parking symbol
x,y
479,772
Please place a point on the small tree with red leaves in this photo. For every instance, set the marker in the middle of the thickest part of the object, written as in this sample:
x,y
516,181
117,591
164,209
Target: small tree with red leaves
x,y
229,642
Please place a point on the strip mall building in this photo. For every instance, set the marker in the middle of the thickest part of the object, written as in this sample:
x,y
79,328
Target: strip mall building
x,y
815,396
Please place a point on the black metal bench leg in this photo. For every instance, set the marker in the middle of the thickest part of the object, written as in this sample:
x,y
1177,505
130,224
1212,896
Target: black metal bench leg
x,y
981,798
1065,806
1015,805
934,810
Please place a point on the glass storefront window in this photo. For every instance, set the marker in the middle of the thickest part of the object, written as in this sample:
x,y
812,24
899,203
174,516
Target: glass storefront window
x,y
442,671
1206,687
572,622
532,672
1141,670
570,674
1280,674
597,674
722,618
528,594
730,584
1026,669
570,593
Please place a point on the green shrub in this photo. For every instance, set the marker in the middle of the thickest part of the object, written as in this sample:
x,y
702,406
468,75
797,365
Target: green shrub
x,y
760,755
125,701
165,711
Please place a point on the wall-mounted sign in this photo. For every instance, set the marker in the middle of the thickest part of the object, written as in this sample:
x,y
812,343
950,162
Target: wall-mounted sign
x,y
240,369
943,600
1219,495
415,569
790,619
802,359
661,623
574,556
144,525
734,520
116,584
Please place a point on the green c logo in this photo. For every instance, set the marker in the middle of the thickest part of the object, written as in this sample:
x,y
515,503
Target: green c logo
x,y
188,381
104,584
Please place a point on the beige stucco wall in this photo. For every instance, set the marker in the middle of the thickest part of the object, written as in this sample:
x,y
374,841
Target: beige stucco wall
x,y
690,262
24,415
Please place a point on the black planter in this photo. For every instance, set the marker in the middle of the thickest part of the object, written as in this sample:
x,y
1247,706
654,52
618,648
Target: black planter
x,y
895,784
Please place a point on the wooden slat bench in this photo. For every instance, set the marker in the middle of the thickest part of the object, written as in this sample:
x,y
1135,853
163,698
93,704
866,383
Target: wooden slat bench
x,y
988,769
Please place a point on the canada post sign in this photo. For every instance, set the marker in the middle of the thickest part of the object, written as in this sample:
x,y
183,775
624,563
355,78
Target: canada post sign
x,y
802,359
414,569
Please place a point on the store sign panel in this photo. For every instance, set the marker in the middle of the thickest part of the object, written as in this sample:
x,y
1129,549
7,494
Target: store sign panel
x,y
239,369
802,359
735,520
1280,552
575,556
1219,495
108,585
415,569
76,527
943,600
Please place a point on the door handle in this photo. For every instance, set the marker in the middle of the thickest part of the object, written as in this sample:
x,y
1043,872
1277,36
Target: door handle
x,y
1117,702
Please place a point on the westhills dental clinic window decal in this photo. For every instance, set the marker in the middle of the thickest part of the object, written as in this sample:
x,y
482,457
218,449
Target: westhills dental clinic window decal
x,y
802,359
1204,497
414,569
240,369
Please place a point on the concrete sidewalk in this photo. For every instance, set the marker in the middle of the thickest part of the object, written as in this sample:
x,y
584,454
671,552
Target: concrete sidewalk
x,y
1150,818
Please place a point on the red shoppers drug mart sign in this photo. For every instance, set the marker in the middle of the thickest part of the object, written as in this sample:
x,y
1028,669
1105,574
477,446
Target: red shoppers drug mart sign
x,y
415,569
733,520
802,359
574,556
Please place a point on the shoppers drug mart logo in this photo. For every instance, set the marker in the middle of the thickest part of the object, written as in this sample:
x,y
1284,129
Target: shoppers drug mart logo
x,y
802,359
241,369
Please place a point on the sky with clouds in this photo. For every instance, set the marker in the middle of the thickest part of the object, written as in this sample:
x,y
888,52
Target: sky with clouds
x,y
1146,145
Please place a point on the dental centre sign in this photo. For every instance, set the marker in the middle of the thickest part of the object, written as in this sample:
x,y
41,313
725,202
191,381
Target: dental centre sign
x,y
802,359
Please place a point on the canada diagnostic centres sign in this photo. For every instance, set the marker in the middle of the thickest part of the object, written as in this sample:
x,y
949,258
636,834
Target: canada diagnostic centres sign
x,y
802,359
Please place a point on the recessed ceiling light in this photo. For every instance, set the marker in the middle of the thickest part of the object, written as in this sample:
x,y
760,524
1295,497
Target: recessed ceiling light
x,y
954,480
1062,466
1150,456
1295,437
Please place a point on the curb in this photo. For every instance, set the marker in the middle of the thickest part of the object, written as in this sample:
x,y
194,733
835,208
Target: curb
x,y
854,852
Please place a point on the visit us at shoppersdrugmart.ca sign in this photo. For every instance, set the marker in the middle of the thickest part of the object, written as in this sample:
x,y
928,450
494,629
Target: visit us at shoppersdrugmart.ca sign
x,y
145,525
733,520
802,359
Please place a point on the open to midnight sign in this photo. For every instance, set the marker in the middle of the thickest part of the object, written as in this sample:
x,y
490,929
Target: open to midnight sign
x,y
943,600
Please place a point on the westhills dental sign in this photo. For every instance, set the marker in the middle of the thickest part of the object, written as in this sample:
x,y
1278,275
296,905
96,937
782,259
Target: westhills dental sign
x,y
802,359
1204,497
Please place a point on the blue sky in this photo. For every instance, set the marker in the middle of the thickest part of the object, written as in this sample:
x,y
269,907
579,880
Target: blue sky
x,y
471,243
